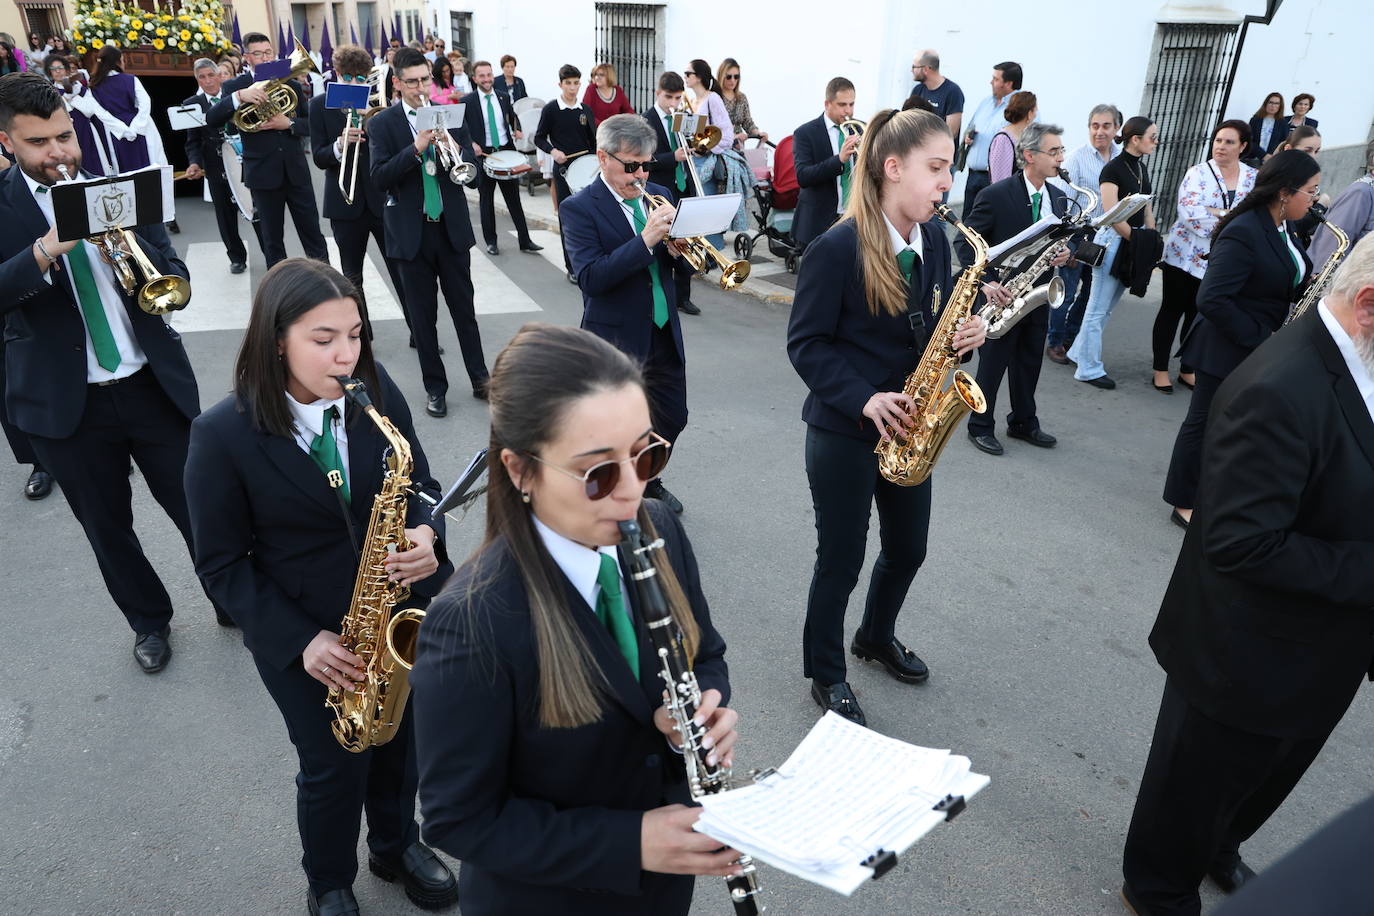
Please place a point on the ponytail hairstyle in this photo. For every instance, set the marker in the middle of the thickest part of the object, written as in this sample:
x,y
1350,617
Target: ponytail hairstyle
x,y
703,73
539,375
890,134
1134,127
109,60
1285,171
1297,135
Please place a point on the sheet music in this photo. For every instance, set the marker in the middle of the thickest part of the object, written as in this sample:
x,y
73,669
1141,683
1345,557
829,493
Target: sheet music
x,y
1032,239
1124,210
845,792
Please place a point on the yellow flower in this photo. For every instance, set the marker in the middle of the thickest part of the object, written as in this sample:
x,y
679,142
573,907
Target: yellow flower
x,y
137,23
162,33
159,43
185,35
133,36
76,35
97,43
80,49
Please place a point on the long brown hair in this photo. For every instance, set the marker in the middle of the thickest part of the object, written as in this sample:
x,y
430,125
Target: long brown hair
x,y
890,133
109,60
534,381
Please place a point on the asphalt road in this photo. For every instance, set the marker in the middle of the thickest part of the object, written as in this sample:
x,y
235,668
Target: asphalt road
x,y
124,793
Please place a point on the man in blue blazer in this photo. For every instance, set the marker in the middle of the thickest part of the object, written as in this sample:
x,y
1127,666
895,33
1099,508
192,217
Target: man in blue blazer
x,y
824,159
1002,210
492,126
624,264
274,166
92,380
427,228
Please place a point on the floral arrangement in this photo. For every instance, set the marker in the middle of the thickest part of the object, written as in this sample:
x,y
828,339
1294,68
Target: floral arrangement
x,y
195,27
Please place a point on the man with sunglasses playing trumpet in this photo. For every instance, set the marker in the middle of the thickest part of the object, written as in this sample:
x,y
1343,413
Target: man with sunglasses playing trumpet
x,y
617,242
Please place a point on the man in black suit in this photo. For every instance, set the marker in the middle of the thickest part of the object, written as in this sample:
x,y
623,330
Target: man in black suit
x,y
204,155
491,120
671,169
1267,628
274,166
824,160
93,380
427,228
351,221
1004,209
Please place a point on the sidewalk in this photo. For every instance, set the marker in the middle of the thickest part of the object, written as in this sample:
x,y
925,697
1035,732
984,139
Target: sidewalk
x,y
768,277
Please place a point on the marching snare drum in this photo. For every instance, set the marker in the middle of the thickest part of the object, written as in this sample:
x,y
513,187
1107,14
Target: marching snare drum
x,y
580,172
506,164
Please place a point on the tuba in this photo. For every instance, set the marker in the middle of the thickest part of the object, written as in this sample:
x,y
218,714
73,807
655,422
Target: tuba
x,y
281,100
696,250
1322,281
907,458
371,629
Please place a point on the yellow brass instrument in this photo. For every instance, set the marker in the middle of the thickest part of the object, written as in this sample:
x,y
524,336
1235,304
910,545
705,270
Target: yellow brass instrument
x,y
907,459
451,160
704,140
281,100
853,128
697,250
158,293
1322,281
372,629
348,161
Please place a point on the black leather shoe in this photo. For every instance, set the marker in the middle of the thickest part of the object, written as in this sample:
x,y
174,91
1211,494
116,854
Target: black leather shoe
x,y
1231,877
173,228
334,903
900,662
531,247
1034,437
492,249
1132,902
1102,381
479,391
988,444
655,489
1057,355
39,484
1177,518
436,406
151,650
572,279
429,883
688,307
237,267
838,698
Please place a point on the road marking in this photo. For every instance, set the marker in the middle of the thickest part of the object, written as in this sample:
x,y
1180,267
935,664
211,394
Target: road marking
x,y
553,247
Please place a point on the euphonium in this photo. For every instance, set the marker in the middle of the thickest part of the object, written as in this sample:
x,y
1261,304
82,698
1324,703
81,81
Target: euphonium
x,y
696,250
704,140
1322,281
907,459
280,99
384,639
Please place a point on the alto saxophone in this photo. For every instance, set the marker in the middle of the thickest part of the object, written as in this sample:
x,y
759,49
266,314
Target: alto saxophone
x,y
385,640
907,458
1317,288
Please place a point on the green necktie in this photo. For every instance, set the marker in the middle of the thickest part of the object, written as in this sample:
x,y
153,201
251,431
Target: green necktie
x,y
680,172
324,451
1297,262
844,172
906,261
660,300
434,200
102,338
611,611
1035,206
491,122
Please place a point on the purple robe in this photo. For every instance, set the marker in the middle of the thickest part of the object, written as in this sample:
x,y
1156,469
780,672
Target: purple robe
x,y
116,95
89,134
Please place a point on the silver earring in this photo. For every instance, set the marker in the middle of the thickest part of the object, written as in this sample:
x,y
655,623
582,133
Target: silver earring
x,y
525,496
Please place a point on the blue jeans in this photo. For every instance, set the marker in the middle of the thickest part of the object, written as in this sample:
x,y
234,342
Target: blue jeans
x,y
1106,293
1065,320
710,186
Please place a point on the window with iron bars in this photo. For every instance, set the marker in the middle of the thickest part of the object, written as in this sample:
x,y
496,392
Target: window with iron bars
x,y
460,27
629,37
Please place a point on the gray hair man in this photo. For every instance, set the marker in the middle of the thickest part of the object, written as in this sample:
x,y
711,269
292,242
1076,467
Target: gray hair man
x,y
205,159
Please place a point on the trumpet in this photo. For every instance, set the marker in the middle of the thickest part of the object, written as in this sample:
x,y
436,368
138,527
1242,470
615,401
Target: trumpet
x,y
704,140
159,293
460,171
348,161
281,100
697,251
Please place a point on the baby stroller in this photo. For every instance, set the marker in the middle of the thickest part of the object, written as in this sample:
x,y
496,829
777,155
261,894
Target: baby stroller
x,y
776,195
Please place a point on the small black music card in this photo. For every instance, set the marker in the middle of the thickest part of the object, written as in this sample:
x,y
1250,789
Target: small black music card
x,y
89,206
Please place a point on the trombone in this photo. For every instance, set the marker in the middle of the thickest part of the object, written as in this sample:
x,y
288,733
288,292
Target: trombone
x,y
697,251
460,171
159,293
348,161
280,98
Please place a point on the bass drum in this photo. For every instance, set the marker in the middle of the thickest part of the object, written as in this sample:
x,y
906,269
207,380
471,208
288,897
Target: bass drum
x,y
580,172
233,171
527,112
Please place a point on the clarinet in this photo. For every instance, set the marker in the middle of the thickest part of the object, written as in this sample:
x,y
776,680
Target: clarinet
x,y
684,698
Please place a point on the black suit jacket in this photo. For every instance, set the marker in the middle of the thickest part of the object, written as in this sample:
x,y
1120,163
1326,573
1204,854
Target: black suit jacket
x,y
664,168
204,145
546,820
271,541
1245,293
45,336
475,119
817,170
1007,211
396,173
272,159
326,125
843,352
514,93
1268,621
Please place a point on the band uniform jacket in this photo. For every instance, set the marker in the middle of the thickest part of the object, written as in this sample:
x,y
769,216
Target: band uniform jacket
x,y
205,145
547,820
1268,621
272,543
1007,211
1245,293
475,119
45,335
396,171
818,170
611,264
271,158
663,169
326,125
843,352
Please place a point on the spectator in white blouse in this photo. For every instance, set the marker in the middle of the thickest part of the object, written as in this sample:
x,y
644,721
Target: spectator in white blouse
x,y
1208,190
705,99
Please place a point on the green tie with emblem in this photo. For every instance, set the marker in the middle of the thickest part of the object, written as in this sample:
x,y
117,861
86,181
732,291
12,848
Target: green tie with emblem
x,y
324,451
434,199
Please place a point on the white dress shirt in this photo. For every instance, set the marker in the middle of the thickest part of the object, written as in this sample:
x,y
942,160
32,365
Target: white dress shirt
x,y
900,244
131,356
1358,370
501,136
310,423
627,208
580,564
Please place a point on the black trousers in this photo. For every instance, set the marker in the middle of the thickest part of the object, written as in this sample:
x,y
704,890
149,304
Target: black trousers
x,y
437,264
335,786
1206,789
845,484
1185,466
1177,307
1018,356
131,419
272,205
16,437
510,192
227,216
351,235
665,377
